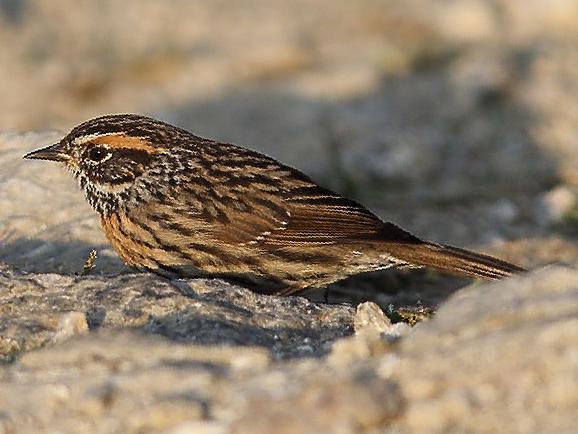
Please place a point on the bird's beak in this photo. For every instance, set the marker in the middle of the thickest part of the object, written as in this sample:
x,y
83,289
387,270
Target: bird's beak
x,y
52,152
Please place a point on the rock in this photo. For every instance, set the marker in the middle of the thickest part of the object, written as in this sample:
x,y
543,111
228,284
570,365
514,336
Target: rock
x,y
126,382
71,324
371,337
129,382
553,206
374,336
499,357
319,399
38,308
370,319
199,427
496,358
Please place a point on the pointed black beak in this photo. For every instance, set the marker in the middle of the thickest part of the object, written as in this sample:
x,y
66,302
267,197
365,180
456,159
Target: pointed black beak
x,y
52,152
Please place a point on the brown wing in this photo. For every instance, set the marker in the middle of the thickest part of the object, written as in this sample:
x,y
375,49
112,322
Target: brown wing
x,y
319,216
270,204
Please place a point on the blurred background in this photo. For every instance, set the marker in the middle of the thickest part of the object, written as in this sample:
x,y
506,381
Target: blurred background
x,y
456,119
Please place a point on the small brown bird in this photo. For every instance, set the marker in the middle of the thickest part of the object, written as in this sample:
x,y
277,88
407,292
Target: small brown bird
x,y
180,205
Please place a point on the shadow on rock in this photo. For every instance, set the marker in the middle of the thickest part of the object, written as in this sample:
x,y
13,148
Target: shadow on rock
x,y
225,314
39,308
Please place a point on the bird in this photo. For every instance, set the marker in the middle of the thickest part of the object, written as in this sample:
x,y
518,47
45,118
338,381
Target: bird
x,y
183,206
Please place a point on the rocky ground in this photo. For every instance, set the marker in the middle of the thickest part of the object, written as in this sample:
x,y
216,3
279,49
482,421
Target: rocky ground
x,y
133,353
456,120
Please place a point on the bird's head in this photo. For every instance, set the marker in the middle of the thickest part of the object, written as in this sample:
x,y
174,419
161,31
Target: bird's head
x,y
110,153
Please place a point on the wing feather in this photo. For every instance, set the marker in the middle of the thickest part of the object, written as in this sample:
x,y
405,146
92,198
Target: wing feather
x,y
282,207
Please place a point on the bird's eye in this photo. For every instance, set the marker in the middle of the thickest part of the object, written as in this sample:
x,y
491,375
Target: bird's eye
x,y
97,154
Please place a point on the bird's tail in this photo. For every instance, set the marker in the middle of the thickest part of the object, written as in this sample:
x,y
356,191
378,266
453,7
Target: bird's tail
x,y
453,260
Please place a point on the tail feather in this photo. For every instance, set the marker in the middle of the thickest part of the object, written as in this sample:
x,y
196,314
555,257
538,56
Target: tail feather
x,y
454,260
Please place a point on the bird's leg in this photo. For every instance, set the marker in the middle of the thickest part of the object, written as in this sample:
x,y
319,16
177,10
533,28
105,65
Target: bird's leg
x,y
326,295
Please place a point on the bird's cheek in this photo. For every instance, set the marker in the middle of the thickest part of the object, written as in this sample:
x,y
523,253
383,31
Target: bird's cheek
x,y
133,170
123,173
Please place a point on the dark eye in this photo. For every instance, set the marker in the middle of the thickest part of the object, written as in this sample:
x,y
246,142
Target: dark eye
x,y
97,154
